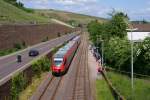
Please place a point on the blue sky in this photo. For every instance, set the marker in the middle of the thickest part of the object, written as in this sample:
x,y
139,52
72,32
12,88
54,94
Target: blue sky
x,y
136,9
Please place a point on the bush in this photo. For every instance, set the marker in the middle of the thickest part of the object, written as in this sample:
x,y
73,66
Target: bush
x,y
18,84
142,59
19,5
28,10
45,64
42,65
17,45
36,67
19,81
45,39
117,53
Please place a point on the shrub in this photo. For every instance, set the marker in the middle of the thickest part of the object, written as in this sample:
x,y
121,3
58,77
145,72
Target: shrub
x,y
42,65
117,53
36,67
142,59
18,84
45,64
45,39
17,46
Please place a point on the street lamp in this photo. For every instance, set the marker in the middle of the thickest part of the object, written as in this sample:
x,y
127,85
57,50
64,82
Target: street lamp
x,y
131,30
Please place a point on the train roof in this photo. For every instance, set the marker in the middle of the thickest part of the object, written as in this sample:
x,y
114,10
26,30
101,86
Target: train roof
x,y
62,51
76,38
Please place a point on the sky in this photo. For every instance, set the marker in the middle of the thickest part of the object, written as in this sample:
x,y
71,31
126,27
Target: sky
x,y
135,9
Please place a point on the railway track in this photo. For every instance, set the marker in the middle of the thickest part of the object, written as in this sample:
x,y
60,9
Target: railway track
x,y
48,90
55,82
81,90
75,85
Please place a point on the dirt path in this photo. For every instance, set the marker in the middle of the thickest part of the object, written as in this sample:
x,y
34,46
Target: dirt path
x,y
62,23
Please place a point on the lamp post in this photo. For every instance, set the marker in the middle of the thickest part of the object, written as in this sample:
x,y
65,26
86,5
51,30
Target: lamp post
x,y
132,43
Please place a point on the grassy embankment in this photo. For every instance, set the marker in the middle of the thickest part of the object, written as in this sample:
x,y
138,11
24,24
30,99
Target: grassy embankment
x,y
6,52
123,84
27,93
68,17
10,14
16,47
102,90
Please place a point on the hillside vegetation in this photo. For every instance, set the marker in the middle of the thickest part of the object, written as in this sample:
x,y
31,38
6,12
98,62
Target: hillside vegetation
x,y
71,18
11,14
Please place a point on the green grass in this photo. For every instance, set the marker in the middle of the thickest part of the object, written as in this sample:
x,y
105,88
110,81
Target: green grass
x,y
123,84
102,91
12,14
16,47
9,51
28,92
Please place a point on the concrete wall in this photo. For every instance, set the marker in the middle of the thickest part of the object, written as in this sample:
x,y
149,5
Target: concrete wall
x,y
30,34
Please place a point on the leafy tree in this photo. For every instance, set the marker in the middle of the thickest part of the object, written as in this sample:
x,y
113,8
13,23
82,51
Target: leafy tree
x,y
19,5
118,25
94,30
142,60
117,52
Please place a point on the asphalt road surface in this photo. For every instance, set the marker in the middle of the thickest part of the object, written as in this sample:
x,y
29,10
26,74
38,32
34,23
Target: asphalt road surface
x,y
9,64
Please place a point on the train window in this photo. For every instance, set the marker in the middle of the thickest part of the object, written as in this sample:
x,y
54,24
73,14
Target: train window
x,y
58,63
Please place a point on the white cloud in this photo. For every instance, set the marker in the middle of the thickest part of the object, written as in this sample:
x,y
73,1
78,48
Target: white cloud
x,y
74,2
88,7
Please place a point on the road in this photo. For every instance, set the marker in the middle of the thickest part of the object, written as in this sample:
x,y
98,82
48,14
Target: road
x,y
75,85
9,64
62,23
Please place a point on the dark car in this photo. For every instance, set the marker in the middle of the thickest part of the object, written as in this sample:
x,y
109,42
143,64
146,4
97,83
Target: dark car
x,y
33,53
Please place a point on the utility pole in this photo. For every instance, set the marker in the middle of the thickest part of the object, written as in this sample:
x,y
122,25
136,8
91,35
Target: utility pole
x,y
102,53
132,44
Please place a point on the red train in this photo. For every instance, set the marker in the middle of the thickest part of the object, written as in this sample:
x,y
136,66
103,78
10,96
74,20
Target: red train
x,y
63,57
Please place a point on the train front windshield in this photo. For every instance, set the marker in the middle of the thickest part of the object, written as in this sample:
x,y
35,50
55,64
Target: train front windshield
x,y
58,62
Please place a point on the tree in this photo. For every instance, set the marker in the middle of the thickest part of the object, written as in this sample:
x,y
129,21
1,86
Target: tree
x,y
94,28
118,25
142,60
117,52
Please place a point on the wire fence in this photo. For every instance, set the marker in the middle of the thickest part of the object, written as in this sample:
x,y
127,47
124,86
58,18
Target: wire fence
x,y
127,73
